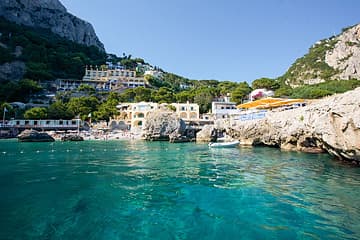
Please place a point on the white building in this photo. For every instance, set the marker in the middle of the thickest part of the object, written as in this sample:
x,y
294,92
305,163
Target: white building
x,y
112,78
154,73
223,108
260,93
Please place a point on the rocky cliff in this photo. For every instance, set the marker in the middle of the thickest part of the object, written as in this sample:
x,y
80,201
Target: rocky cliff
x,y
345,56
161,125
331,125
12,70
50,14
336,58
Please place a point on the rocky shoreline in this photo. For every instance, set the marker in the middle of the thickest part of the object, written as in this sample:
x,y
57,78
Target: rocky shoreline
x,y
329,125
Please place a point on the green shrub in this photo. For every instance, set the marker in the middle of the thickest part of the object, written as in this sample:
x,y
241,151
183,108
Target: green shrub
x,y
324,89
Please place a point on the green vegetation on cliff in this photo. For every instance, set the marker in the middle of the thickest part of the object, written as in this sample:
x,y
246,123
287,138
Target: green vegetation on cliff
x,y
324,89
47,55
312,65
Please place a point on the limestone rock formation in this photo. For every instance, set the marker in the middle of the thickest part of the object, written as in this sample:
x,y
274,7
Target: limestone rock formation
x,y
34,136
206,133
12,70
50,14
345,57
335,58
331,124
160,125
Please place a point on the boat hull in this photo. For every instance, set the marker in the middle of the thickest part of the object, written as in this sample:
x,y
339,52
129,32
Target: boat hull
x,y
224,144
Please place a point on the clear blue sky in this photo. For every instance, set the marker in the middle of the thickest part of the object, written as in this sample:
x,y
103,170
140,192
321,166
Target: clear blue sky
x,y
237,40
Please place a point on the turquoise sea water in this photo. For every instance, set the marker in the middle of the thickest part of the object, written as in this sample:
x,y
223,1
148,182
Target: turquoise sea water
x,y
156,190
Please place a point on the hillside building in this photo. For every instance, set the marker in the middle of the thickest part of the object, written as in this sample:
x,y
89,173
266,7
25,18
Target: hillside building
x,y
134,114
223,108
107,78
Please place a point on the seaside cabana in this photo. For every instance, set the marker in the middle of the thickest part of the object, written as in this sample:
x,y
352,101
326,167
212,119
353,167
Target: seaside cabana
x,y
266,103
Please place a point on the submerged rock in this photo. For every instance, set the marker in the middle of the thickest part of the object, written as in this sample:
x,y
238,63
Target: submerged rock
x,y
331,124
34,136
72,138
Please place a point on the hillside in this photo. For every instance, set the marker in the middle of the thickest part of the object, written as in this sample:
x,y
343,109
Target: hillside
x,y
51,15
39,54
335,58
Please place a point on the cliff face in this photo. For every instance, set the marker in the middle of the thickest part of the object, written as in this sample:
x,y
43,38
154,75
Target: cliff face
x,y
345,57
50,14
336,58
331,125
161,125
13,70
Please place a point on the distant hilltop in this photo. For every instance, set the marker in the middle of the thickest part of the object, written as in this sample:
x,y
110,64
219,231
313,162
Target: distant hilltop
x,y
50,14
335,58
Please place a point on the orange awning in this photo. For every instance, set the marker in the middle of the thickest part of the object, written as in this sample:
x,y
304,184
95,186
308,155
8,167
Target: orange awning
x,y
269,103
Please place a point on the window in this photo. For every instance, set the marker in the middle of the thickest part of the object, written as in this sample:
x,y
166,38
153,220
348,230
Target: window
x,y
60,122
183,108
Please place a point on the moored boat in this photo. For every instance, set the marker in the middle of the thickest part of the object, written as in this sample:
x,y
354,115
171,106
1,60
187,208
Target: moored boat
x,y
224,144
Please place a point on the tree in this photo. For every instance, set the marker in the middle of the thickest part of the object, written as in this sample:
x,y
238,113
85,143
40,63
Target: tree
x,y
5,55
58,110
184,96
28,86
9,110
164,95
108,108
18,91
7,92
203,97
127,96
142,94
226,87
266,83
36,113
82,106
283,91
240,92
86,88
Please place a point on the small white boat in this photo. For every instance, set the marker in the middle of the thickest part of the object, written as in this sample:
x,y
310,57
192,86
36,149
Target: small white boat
x,y
224,144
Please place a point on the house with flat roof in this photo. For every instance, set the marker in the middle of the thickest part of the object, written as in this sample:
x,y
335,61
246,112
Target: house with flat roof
x,y
187,111
113,78
223,108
